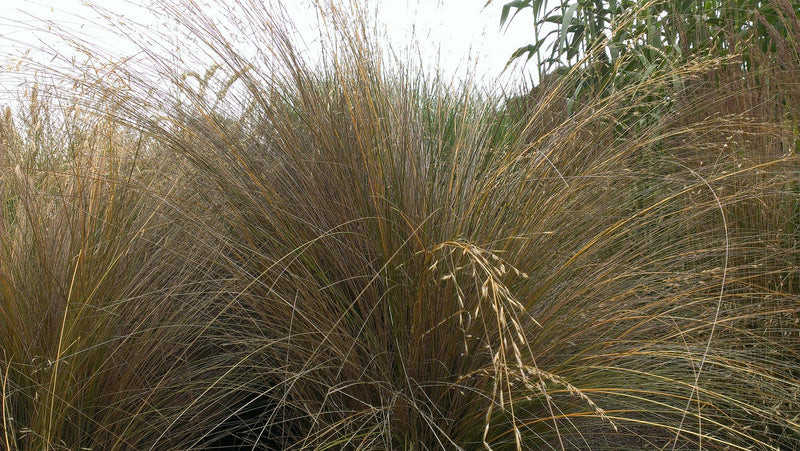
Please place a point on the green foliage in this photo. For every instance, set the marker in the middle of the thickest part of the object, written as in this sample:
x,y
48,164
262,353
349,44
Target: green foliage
x,y
604,30
619,42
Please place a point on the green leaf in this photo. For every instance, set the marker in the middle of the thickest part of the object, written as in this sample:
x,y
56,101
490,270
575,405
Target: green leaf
x,y
537,8
504,14
565,23
530,49
518,4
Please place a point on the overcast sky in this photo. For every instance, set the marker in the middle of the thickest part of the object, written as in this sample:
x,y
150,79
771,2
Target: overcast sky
x,y
455,34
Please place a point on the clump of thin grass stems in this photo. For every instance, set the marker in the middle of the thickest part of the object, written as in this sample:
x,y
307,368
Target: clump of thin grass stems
x,y
92,282
270,255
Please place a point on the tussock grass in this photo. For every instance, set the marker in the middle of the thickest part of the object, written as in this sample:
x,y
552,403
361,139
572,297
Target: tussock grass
x,y
355,256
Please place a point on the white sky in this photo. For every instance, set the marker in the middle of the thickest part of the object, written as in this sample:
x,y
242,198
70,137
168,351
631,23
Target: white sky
x,y
457,33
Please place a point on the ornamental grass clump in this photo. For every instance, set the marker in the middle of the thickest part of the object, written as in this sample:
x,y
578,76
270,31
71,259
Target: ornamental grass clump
x,y
356,255
94,287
